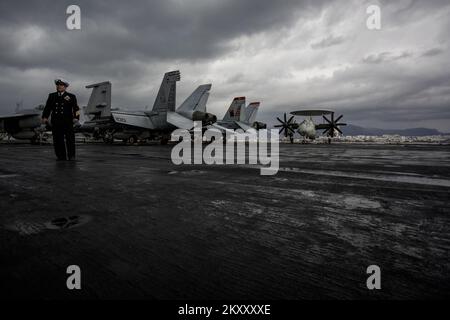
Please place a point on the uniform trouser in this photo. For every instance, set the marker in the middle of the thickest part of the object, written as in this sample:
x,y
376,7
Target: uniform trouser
x,y
63,137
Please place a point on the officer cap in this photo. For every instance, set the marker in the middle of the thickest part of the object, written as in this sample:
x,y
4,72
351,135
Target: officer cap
x,y
61,81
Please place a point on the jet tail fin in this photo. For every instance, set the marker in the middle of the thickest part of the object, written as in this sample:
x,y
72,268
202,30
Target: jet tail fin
x,y
165,100
195,102
235,111
99,104
250,112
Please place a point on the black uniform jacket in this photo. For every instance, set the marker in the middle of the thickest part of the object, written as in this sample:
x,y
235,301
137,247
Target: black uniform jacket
x,y
63,108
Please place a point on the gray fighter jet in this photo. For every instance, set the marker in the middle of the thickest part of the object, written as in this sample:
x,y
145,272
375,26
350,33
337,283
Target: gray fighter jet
x,y
24,124
103,122
239,117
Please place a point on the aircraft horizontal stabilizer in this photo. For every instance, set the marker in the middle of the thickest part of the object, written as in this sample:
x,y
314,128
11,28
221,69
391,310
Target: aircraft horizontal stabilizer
x,y
179,121
223,129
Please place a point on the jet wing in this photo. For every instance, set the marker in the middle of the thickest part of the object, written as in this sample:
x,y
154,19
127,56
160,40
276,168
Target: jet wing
x,y
322,126
179,121
18,116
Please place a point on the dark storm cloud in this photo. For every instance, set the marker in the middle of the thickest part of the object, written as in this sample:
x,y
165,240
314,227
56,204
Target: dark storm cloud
x,y
121,40
287,54
187,30
328,42
432,52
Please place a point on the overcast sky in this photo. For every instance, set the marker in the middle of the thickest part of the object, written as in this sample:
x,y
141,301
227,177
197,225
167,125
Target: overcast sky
x,y
287,54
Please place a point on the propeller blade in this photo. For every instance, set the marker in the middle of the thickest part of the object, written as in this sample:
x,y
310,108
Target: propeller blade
x,y
339,130
326,119
339,118
341,124
290,119
287,127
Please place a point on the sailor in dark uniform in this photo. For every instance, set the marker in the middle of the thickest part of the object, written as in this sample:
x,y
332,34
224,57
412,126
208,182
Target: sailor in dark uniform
x,y
64,111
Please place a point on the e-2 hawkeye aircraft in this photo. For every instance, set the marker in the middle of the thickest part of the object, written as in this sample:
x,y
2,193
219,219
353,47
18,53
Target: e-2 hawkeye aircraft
x,y
307,128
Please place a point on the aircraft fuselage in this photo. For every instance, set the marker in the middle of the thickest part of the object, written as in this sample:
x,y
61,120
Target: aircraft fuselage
x,y
307,129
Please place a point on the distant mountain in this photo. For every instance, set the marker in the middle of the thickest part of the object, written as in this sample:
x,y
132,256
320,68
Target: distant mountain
x,y
352,130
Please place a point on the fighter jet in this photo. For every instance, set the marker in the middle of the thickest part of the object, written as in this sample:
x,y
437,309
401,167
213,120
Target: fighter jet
x,y
160,121
239,117
96,119
24,124
307,128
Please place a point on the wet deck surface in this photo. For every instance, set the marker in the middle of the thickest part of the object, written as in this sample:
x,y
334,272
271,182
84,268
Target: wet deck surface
x,y
140,227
